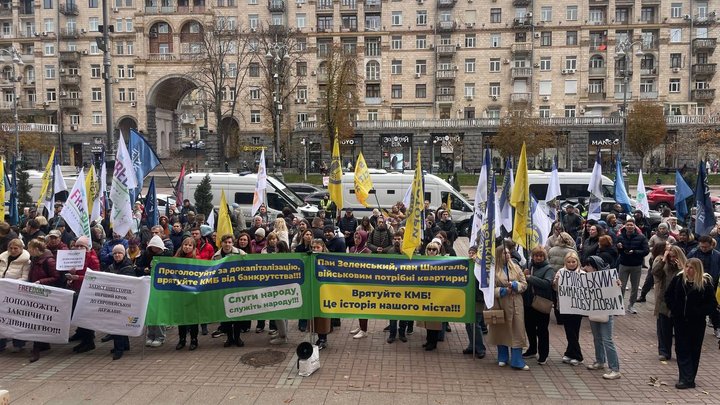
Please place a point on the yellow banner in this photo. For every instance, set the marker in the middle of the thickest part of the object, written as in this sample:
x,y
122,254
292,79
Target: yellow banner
x,y
363,182
414,223
335,185
224,225
46,186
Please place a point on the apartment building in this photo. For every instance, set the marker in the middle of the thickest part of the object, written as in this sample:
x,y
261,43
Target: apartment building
x,y
437,74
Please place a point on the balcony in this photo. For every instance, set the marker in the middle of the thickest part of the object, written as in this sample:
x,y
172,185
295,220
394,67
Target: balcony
x,y
521,47
322,77
597,96
160,57
521,3
446,26
520,98
703,94
69,80
446,74
160,10
648,95
373,6
521,72
69,9
324,6
373,100
597,71
71,103
446,49
6,10
522,23
651,45
704,44
276,6
69,56
648,72
191,9
619,95
445,98
348,6
446,3
69,33
704,69
704,19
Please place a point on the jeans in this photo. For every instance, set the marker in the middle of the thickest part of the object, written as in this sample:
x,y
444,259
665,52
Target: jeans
x,y
604,345
280,326
634,273
664,335
571,323
536,327
15,342
394,329
156,333
513,354
441,332
479,344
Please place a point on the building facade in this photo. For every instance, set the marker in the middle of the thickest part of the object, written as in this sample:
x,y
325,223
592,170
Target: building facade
x,y
436,74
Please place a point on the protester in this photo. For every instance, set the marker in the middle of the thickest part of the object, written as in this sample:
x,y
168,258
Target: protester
x,y
589,244
42,271
571,322
333,243
6,235
14,265
564,244
690,297
607,251
75,278
446,224
557,229
348,224
710,258
281,230
475,329
187,251
571,221
259,242
380,239
321,325
539,278
121,265
54,242
231,329
155,333
633,247
106,251
360,247
433,328
602,330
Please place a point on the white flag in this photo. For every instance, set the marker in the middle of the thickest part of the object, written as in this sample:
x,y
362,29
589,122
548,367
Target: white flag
x,y
542,224
75,210
553,190
124,180
407,196
211,219
58,186
260,185
642,202
595,189
479,208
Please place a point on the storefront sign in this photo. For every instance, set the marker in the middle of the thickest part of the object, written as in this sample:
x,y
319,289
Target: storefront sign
x,y
396,141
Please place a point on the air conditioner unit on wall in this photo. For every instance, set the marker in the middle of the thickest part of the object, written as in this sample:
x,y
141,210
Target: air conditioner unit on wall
x,y
133,104
494,98
74,127
417,75
676,70
546,98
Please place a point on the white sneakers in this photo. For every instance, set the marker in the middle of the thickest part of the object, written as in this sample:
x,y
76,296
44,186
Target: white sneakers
x,y
596,366
360,334
502,364
148,342
156,343
568,360
612,375
632,309
354,331
278,340
717,333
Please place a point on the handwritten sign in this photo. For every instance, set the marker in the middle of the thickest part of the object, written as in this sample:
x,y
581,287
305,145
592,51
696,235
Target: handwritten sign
x,y
594,293
70,260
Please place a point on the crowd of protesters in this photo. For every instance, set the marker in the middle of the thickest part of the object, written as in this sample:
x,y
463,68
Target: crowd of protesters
x,y
683,271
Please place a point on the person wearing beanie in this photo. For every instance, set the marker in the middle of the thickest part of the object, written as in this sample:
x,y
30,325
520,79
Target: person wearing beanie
x,y
106,250
75,279
602,330
155,248
121,265
259,242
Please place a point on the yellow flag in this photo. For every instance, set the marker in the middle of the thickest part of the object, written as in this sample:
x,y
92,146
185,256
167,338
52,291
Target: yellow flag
x,y
2,188
91,188
414,223
520,200
46,180
335,184
448,203
224,225
363,182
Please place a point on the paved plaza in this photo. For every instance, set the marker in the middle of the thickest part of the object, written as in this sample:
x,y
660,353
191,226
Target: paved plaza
x,y
365,371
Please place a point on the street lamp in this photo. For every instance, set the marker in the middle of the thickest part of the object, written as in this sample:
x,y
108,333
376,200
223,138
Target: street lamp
x,y
622,50
305,142
278,55
16,60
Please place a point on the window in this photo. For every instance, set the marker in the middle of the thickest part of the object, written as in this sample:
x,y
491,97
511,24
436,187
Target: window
x,y
470,65
93,3
255,93
494,40
546,38
675,35
131,94
396,113
421,66
300,19
676,10
302,92
647,14
647,85
372,70
544,111
95,71
253,2
420,91
470,41
495,15
421,17
93,23
50,95
301,44
545,63
470,90
571,62
372,115
494,89
254,116
396,67
675,60
96,94
546,13
47,4
253,20
49,49
396,91
119,48
119,25
421,42
494,64
570,111
131,71
571,13
121,71
674,86
49,25
49,71
570,86
254,69
130,48
301,69
545,88
74,119
396,42
97,117
302,117
396,18
122,96
571,38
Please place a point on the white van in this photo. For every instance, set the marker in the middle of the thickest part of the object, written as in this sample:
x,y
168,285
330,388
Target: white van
x,y
390,187
240,188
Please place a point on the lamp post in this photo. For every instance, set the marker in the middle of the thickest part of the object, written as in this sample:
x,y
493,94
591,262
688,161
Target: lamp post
x,y
278,55
16,60
622,50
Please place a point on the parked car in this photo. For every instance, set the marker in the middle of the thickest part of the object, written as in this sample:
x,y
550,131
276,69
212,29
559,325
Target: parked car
x,y
314,198
303,189
663,195
194,145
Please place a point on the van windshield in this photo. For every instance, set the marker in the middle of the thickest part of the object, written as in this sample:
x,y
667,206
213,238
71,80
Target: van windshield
x,y
283,189
569,191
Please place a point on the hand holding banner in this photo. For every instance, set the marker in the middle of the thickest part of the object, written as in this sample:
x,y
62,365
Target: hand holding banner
x,y
70,260
34,312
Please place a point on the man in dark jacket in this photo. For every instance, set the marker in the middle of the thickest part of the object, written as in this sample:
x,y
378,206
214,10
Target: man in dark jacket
x,y
710,259
176,236
106,258
333,243
633,247
447,225
348,224
6,235
571,221
31,231
642,223
380,238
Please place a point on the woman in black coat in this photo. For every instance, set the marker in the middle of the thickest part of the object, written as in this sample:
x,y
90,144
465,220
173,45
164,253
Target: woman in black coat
x,y
607,251
539,276
690,298
120,265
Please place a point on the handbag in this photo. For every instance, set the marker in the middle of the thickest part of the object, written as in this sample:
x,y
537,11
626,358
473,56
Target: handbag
x,y
494,316
542,304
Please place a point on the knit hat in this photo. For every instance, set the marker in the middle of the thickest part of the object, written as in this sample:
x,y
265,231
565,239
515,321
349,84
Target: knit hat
x,y
205,230
118,248
662,225
155,241
83,241
260,232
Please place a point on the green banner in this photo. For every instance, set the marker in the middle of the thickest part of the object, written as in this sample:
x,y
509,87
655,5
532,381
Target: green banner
x,y
189,291
393,287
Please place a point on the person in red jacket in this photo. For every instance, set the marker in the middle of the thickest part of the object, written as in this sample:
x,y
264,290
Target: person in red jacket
x,y
203,249
75,279
42,271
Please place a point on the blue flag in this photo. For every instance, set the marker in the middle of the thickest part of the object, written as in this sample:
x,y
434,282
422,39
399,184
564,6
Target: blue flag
x,y
13,214
621,195
151,207
682,193
505,214
705,220
143,157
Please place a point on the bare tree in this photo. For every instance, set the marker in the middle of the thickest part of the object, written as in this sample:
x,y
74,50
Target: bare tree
x,y
519,127
339,81
646,129
220,55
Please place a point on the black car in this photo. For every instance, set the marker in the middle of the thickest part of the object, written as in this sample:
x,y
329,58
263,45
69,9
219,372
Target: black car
x,y
314,198
303,189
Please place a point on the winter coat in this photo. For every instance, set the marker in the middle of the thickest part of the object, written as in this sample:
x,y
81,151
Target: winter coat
x,y
43,271
539,282
362,247
235,251
687,304
609,255
512,332
124,268
638,243
336,244
106,251
687,247
556,256
203,251
176,238
92,263
379,239
6,239
18,269
145,261
571,223
589,248
657,238
449,228
710,261
663,273
257,247
348,224
54,249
